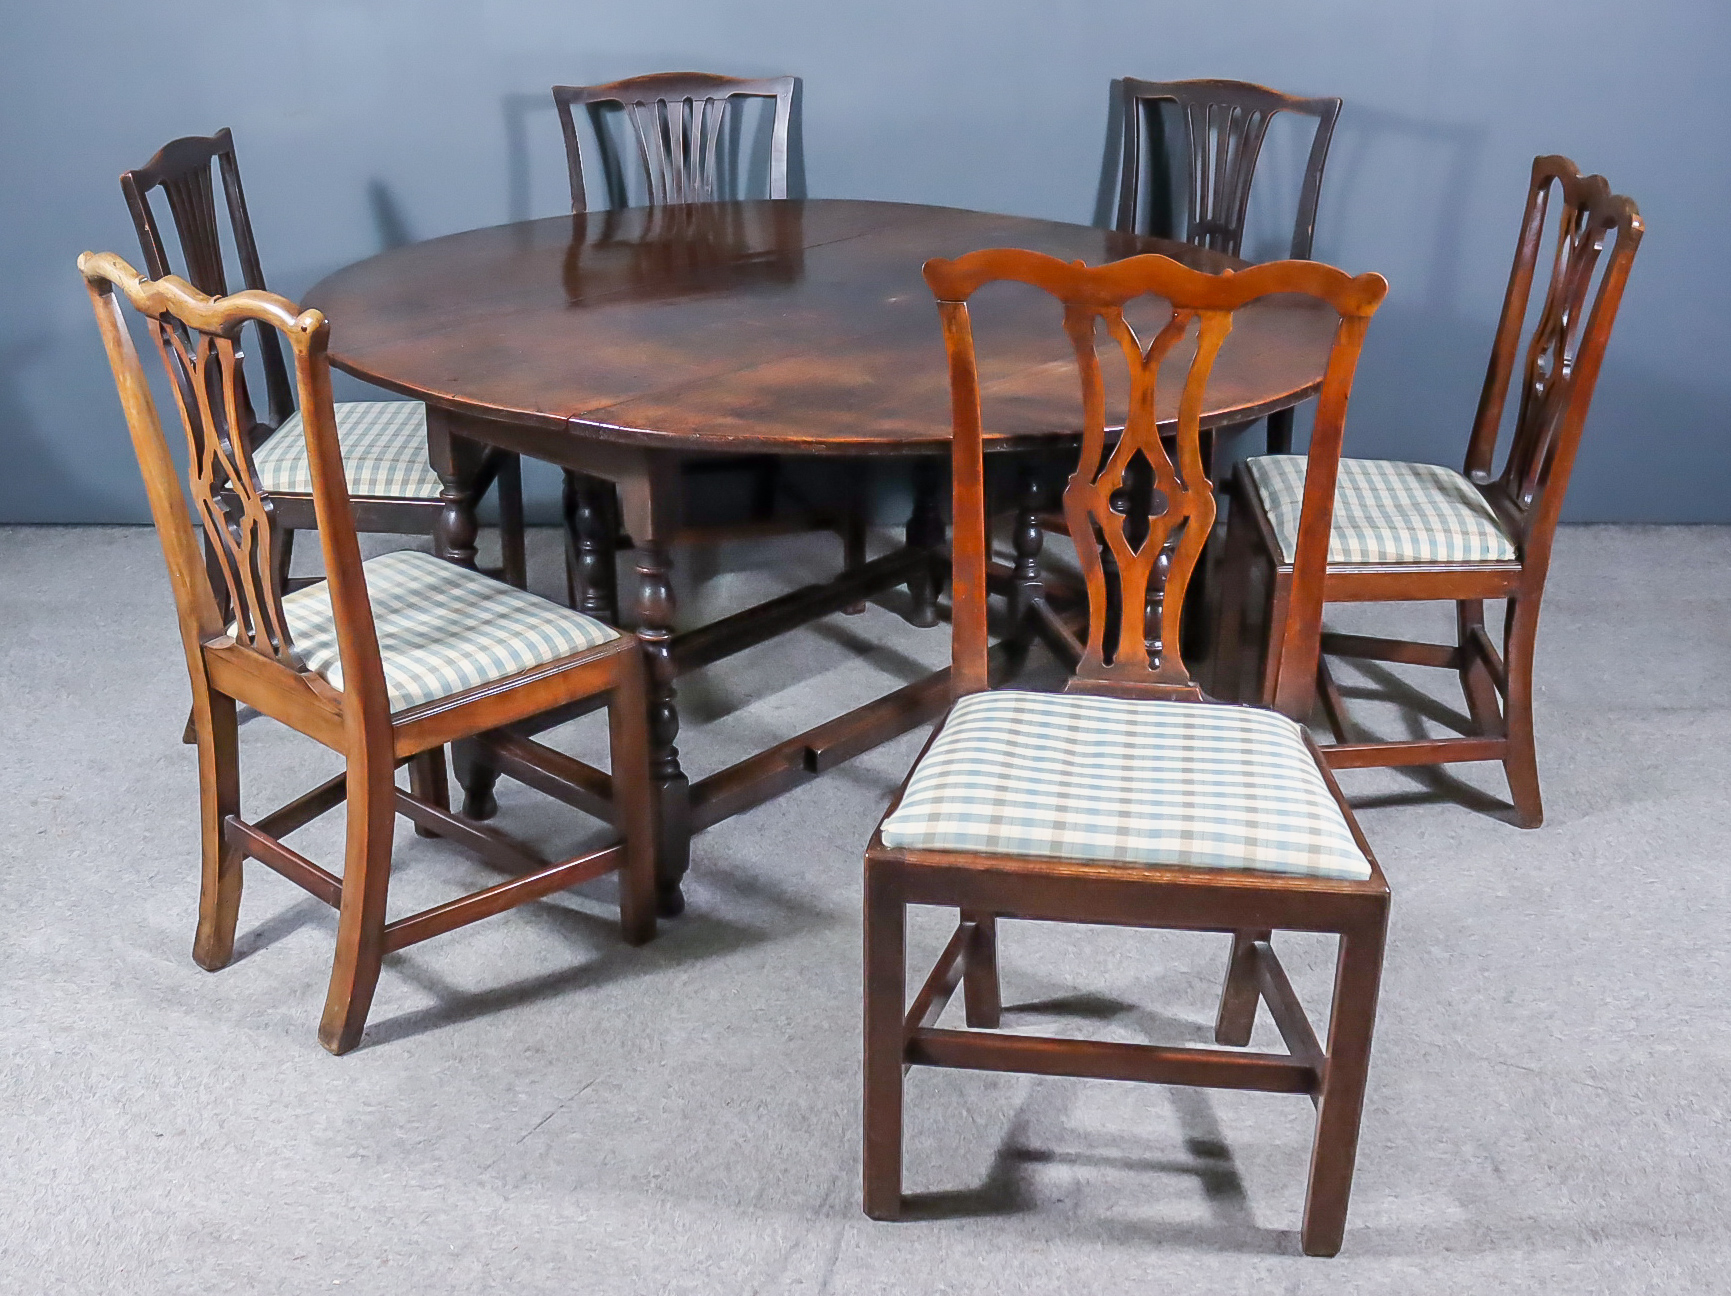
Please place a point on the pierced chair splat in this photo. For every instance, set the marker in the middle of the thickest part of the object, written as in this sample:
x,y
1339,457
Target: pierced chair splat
x,y
384,661
1224,124
1129,799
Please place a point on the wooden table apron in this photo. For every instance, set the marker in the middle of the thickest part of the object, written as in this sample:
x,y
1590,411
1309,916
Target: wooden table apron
x,y
618,343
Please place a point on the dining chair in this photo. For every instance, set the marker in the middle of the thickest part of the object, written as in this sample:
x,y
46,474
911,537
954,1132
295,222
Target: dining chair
x,y
1224,124
1129,799
393,487
686,128
383,661
1419,532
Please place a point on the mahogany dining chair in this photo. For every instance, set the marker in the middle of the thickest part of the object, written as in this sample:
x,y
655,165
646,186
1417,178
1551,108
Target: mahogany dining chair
x,y
1129,799
1411,531
393,487
383,661
1224,124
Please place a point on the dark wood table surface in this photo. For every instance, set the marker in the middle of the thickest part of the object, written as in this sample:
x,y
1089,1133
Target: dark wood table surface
x,y
617,344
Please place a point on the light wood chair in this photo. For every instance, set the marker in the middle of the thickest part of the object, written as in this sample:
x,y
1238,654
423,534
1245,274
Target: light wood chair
x,y
685,127
393,487
1404,531
1129,799
1224,125
383,661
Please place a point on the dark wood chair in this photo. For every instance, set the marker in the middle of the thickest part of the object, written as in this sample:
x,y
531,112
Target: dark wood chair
x,y
1129,799
686,131
1224,124
384,661
1404,532
394,488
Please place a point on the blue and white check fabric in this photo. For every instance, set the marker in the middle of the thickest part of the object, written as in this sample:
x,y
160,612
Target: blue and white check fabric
x,y
384,446
441,628
1386,512
1116,781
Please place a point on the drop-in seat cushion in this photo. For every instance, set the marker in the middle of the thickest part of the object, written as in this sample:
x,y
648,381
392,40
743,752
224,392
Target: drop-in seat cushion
x,y
1386,512
1108,780
442,628
384,446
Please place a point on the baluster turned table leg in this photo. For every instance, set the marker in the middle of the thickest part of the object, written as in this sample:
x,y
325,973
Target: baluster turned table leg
x,y
458,462
655,607
590,546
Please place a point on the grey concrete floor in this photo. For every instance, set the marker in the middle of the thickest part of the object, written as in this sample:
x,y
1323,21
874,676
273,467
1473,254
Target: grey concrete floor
x,y
537,1108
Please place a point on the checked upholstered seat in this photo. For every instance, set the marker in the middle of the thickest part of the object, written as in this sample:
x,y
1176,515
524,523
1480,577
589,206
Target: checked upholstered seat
x,y
384,445
1386,512
1125,781
442,628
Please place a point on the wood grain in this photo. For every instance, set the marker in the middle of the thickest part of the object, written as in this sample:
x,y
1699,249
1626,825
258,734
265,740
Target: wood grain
x,y
796,326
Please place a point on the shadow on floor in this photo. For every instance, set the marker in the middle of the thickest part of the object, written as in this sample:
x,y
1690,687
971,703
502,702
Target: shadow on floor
x,y
1008,1187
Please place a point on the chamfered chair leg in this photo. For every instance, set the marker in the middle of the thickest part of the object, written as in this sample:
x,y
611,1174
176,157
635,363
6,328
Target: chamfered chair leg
x,y
885,1006
854,527
284,545
1279,599
1357,976
1280,432
981,995
511,546
213,721
1521,765
372,806
1476,684
633,803
1240,995
429,782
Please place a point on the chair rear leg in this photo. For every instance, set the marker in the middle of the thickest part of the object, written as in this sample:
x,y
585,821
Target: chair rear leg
x,y
981,994
284,546
372,806
1273,631
1476,683
1227,680
511,544
213,722
1280,432
854,527
1521,765
429,782
633,803
1240,995
1357,977
885,1007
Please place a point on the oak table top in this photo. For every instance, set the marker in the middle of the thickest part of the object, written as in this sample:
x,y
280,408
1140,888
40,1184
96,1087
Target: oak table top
x,y
799,326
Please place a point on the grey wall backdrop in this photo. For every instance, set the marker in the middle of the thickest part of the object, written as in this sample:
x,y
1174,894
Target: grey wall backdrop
x,y
367,122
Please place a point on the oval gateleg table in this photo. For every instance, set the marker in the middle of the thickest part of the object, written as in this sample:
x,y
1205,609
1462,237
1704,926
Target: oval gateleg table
x,y
618,344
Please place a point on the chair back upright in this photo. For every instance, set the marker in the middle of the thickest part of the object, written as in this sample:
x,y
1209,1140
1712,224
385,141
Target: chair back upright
x,y
1225,123
198,337
1139,515
182,170
1597,235
685,131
